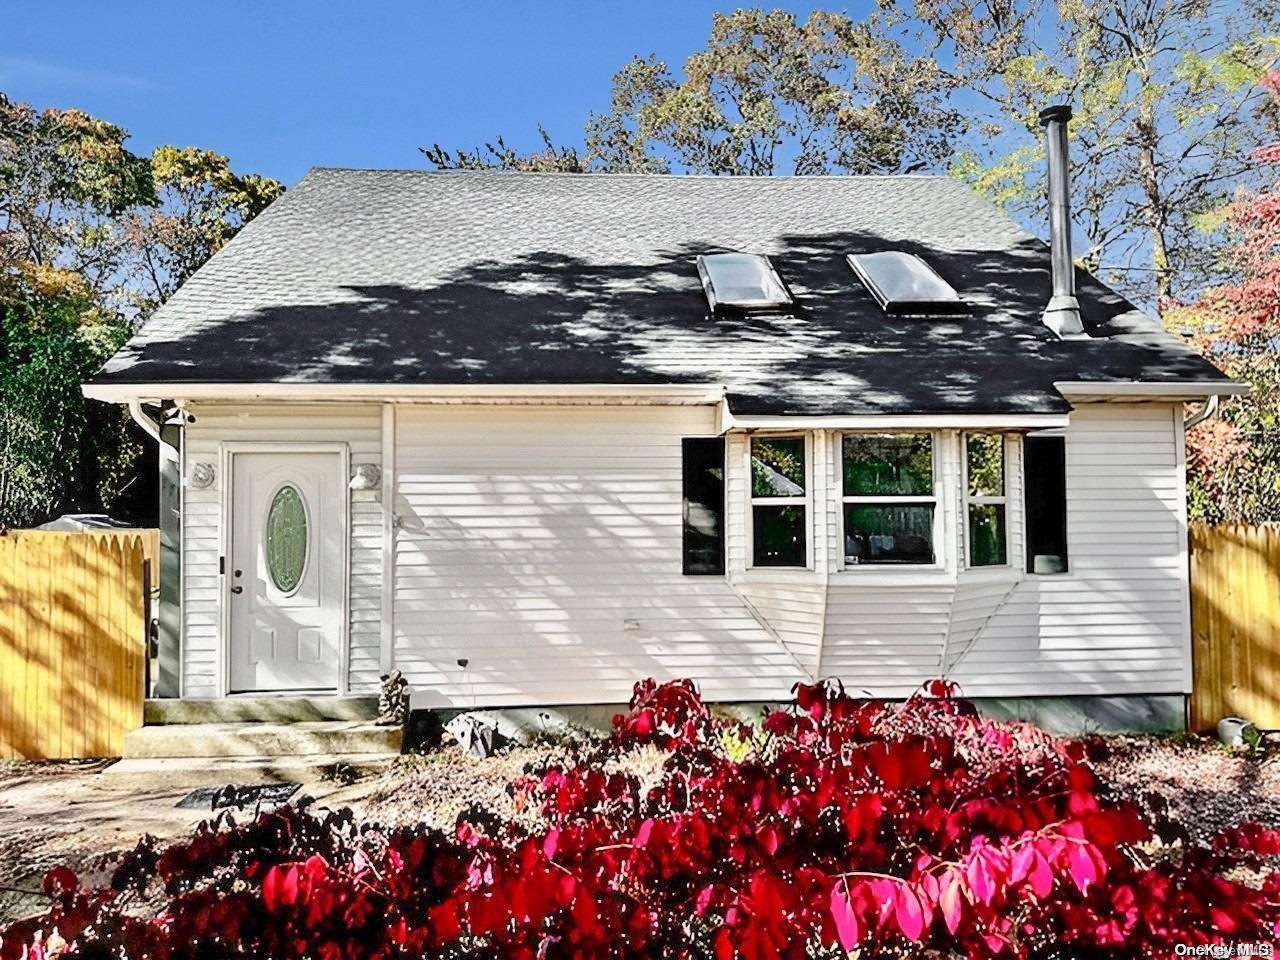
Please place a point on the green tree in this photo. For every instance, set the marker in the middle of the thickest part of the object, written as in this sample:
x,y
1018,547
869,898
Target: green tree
x,y
200,204
769,94
1166,106
92,238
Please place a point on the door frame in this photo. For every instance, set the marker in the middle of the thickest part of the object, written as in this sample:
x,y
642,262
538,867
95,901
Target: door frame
x,y
227,451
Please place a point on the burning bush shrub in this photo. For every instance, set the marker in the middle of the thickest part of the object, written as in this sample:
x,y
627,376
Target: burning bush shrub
x,y
890,829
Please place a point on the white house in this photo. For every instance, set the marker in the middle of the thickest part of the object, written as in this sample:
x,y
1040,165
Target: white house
x,y
530,437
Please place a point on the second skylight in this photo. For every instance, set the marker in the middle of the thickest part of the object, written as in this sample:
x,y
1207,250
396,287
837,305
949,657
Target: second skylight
x,y
903,283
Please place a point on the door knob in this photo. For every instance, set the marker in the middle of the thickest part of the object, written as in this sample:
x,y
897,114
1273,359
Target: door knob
x,y
237,589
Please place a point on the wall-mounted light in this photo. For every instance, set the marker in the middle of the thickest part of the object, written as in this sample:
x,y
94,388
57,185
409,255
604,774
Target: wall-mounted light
x,y
366,476
202,475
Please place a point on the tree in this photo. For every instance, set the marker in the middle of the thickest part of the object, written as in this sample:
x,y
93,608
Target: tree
x,y
768,94
1234,462
92,238
200,204
1166,106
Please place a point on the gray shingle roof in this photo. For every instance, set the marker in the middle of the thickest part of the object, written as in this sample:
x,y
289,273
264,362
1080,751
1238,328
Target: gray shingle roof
x,y
368,276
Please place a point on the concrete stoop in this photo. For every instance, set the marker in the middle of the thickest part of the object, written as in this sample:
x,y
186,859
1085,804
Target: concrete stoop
x,y
262,739
259,710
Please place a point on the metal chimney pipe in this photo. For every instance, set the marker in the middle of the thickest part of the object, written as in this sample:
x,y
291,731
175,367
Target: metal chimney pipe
x,y
1062,315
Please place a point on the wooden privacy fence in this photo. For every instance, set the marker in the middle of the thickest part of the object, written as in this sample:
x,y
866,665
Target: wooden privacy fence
x,y
74,609
1235,623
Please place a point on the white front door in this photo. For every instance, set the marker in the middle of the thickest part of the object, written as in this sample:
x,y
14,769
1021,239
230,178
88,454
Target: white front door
x,y
285,571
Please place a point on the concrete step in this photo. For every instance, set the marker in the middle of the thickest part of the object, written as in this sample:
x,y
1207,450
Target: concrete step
x,y
191,772
306,739
259,710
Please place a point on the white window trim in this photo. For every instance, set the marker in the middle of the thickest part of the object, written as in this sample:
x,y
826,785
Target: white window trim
x,y
983,500
936,500
805,501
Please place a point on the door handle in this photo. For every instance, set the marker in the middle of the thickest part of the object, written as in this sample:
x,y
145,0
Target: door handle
x,y
237,589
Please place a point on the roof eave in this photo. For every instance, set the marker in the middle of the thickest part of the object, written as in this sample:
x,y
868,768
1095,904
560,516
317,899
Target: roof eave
x,y
1086,391
656,393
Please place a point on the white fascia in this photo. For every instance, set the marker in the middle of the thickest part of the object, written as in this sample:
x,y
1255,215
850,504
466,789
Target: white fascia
x,y
669,394
1097,390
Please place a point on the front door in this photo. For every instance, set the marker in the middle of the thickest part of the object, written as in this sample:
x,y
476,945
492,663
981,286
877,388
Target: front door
x,y
285,571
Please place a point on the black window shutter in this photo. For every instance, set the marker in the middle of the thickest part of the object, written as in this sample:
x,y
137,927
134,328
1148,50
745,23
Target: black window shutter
x,y
703,471
1045,493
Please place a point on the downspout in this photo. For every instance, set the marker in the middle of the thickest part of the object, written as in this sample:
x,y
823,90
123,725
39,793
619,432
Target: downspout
x,y
152,427
1209,409
165,680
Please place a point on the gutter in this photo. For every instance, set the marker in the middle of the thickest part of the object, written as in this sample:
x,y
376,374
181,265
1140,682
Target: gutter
x,y
409,393
1146,390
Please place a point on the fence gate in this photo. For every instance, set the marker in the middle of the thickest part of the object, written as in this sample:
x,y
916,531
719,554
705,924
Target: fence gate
x,y
73,641
1235,623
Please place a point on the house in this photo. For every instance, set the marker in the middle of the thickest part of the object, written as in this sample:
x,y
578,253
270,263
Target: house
x,y
530,437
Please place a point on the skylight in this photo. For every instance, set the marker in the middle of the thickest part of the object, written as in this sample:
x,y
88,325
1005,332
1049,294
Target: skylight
x,y
903,283
743,281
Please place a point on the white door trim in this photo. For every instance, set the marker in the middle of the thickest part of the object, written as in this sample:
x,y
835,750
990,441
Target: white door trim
x,y
226,453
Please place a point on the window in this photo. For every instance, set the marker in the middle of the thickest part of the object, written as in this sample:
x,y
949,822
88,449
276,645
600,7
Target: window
x,y
985,499
1045,485
286,539
779,502
889,498
703,505
744,281
903,283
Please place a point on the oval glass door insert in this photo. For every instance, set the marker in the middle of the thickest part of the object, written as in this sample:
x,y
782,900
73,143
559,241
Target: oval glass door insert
x,y
286,539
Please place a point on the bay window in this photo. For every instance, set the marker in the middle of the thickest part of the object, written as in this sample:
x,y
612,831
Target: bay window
x,y
779,502
889,498
985,499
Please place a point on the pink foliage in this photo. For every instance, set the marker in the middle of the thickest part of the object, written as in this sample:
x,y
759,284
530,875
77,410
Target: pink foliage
x,y
891,829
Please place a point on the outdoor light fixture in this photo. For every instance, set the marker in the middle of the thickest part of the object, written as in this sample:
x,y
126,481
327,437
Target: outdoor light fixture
x,y
366,476
202,475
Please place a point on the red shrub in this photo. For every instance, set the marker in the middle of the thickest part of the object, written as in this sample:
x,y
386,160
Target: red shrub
x,y
893,829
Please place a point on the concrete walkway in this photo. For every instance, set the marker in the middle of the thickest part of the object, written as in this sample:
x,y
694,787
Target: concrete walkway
x,y
54,814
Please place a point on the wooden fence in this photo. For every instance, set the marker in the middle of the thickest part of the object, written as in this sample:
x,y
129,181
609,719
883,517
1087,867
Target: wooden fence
x,y
74,609
1235,623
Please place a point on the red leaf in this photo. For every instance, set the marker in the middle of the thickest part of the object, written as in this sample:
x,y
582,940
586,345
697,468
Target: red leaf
x,y
1041,876
1083,870
908,911
848,926
59,880
951,902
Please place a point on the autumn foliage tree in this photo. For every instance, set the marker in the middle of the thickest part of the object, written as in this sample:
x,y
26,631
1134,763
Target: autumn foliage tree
x,y
1234,460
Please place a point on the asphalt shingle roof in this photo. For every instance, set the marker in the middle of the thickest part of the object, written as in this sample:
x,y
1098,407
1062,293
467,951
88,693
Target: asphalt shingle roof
x,y
370,276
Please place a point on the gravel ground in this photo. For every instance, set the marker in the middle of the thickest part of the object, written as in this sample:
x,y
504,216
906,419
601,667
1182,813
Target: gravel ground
x,y
1206,787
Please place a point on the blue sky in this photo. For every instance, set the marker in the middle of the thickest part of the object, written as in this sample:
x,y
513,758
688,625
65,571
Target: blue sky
x,y
281,87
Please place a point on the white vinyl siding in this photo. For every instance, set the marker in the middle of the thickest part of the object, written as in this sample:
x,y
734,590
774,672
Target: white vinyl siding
x,y
542,545
1115,623
360,428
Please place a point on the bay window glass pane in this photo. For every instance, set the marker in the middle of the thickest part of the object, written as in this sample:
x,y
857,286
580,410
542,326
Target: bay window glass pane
x,y
778,538
986,535
986,464
878,465
777,467
888,533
